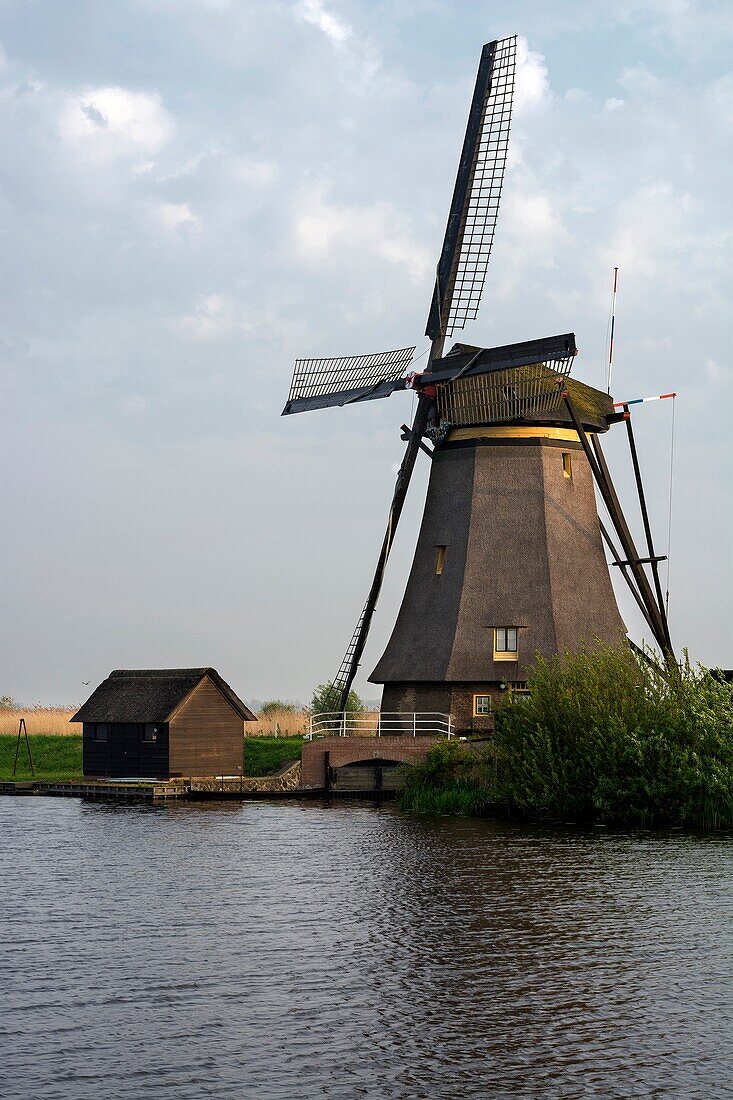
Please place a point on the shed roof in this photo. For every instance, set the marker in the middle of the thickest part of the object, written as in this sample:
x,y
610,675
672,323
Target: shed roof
x,y
151,695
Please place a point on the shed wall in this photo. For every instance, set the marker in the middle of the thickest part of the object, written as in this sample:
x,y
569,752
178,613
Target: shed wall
x,y
206,736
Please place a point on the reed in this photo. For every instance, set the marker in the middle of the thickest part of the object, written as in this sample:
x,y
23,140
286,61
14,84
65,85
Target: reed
x,y
49,721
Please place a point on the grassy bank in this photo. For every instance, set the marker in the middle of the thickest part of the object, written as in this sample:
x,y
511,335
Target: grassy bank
x,y
54,758
264,755
601,737
61,757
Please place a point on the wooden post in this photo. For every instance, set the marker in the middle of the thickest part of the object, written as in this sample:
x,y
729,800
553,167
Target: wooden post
x,y
602,478
23,729
326,771
647,526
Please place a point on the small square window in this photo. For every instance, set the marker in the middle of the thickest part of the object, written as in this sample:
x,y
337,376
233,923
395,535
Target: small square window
x,y
481,705
567,464
505,643
101,730
151,732
518,690
440,560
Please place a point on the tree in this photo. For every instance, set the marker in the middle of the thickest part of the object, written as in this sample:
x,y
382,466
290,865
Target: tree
x,y
326,699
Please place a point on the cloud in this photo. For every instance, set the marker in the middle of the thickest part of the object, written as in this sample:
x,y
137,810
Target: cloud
x,y
107,123
322,228
531,83
613,104
315,13
175,215
216,315
256,173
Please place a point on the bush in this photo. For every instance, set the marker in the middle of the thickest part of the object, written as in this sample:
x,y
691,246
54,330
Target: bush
x,y
602,736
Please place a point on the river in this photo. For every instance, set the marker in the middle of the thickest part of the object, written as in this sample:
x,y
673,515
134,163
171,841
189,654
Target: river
x,y
299,950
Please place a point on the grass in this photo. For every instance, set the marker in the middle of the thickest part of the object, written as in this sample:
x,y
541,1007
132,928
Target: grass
x,y
264,755
54,758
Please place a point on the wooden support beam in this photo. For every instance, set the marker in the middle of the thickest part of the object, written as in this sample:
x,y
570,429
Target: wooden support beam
x,y
647,526
627,541
626,575
602,478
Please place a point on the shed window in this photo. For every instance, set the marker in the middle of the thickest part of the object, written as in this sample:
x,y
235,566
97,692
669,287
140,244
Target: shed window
x,y
100,731
151,732
505,643
567,465
440,560
481,705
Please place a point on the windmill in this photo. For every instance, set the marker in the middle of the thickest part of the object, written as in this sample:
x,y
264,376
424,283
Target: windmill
x,y
509,559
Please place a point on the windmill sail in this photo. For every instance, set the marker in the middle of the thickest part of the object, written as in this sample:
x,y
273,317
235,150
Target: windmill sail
x,y
469,233
321,383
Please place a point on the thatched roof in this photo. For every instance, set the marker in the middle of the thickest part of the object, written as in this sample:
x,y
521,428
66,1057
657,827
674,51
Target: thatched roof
x,y
593,406
151,695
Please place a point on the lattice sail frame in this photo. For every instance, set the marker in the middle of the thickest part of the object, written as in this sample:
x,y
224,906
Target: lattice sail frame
x,y
513,394
326,378
468,274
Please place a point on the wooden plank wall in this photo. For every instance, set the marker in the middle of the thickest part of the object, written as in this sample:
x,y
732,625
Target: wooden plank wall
x,y
206,736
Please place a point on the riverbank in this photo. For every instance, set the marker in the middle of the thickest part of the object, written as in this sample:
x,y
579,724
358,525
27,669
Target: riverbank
x,y
57,759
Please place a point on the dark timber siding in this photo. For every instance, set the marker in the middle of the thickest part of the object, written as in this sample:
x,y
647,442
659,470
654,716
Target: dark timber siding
x,y
206,734
125,753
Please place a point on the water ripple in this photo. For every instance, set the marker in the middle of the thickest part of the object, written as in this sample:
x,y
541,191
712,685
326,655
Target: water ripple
x,y
295,950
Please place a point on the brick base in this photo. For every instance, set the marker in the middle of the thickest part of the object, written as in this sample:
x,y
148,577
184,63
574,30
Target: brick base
x,y
336,752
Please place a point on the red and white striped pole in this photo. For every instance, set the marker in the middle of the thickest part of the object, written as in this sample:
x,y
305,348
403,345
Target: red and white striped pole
x,y
613,326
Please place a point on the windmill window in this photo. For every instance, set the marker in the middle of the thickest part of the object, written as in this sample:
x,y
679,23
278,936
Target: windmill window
x,y
567,465
518,690
505,643
481,705
440,560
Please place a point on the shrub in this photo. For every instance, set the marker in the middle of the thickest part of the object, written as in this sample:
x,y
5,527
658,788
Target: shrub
x,y
602,736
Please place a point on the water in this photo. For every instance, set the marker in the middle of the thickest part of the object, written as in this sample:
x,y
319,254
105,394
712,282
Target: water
x,y
295,950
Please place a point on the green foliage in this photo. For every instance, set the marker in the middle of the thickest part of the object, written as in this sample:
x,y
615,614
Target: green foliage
x,y
265,755
325,700
604,737
54,758
452,779
276,707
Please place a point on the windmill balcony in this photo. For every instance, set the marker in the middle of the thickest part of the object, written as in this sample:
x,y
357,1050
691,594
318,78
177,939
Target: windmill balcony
x,y
340,723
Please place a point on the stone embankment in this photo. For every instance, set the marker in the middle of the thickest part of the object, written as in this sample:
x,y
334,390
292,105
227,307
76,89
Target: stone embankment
x,y
286,779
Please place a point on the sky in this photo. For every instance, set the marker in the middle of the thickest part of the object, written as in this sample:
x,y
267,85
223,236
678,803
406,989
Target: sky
x,y
195,192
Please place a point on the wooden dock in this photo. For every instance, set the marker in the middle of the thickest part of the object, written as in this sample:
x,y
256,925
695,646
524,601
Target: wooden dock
x,y
108,790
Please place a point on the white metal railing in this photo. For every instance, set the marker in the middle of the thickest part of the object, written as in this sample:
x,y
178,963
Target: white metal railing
x,y
393,723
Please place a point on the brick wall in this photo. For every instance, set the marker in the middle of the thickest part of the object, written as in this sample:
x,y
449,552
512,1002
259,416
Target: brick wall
x,y
348,750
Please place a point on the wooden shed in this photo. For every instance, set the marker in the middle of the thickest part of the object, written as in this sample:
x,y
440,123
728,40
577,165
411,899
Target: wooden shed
x,y
163,723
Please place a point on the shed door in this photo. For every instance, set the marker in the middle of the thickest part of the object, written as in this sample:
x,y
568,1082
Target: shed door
x,y
125,749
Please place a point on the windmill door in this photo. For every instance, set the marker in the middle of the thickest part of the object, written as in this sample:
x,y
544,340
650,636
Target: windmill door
x,y
125,749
